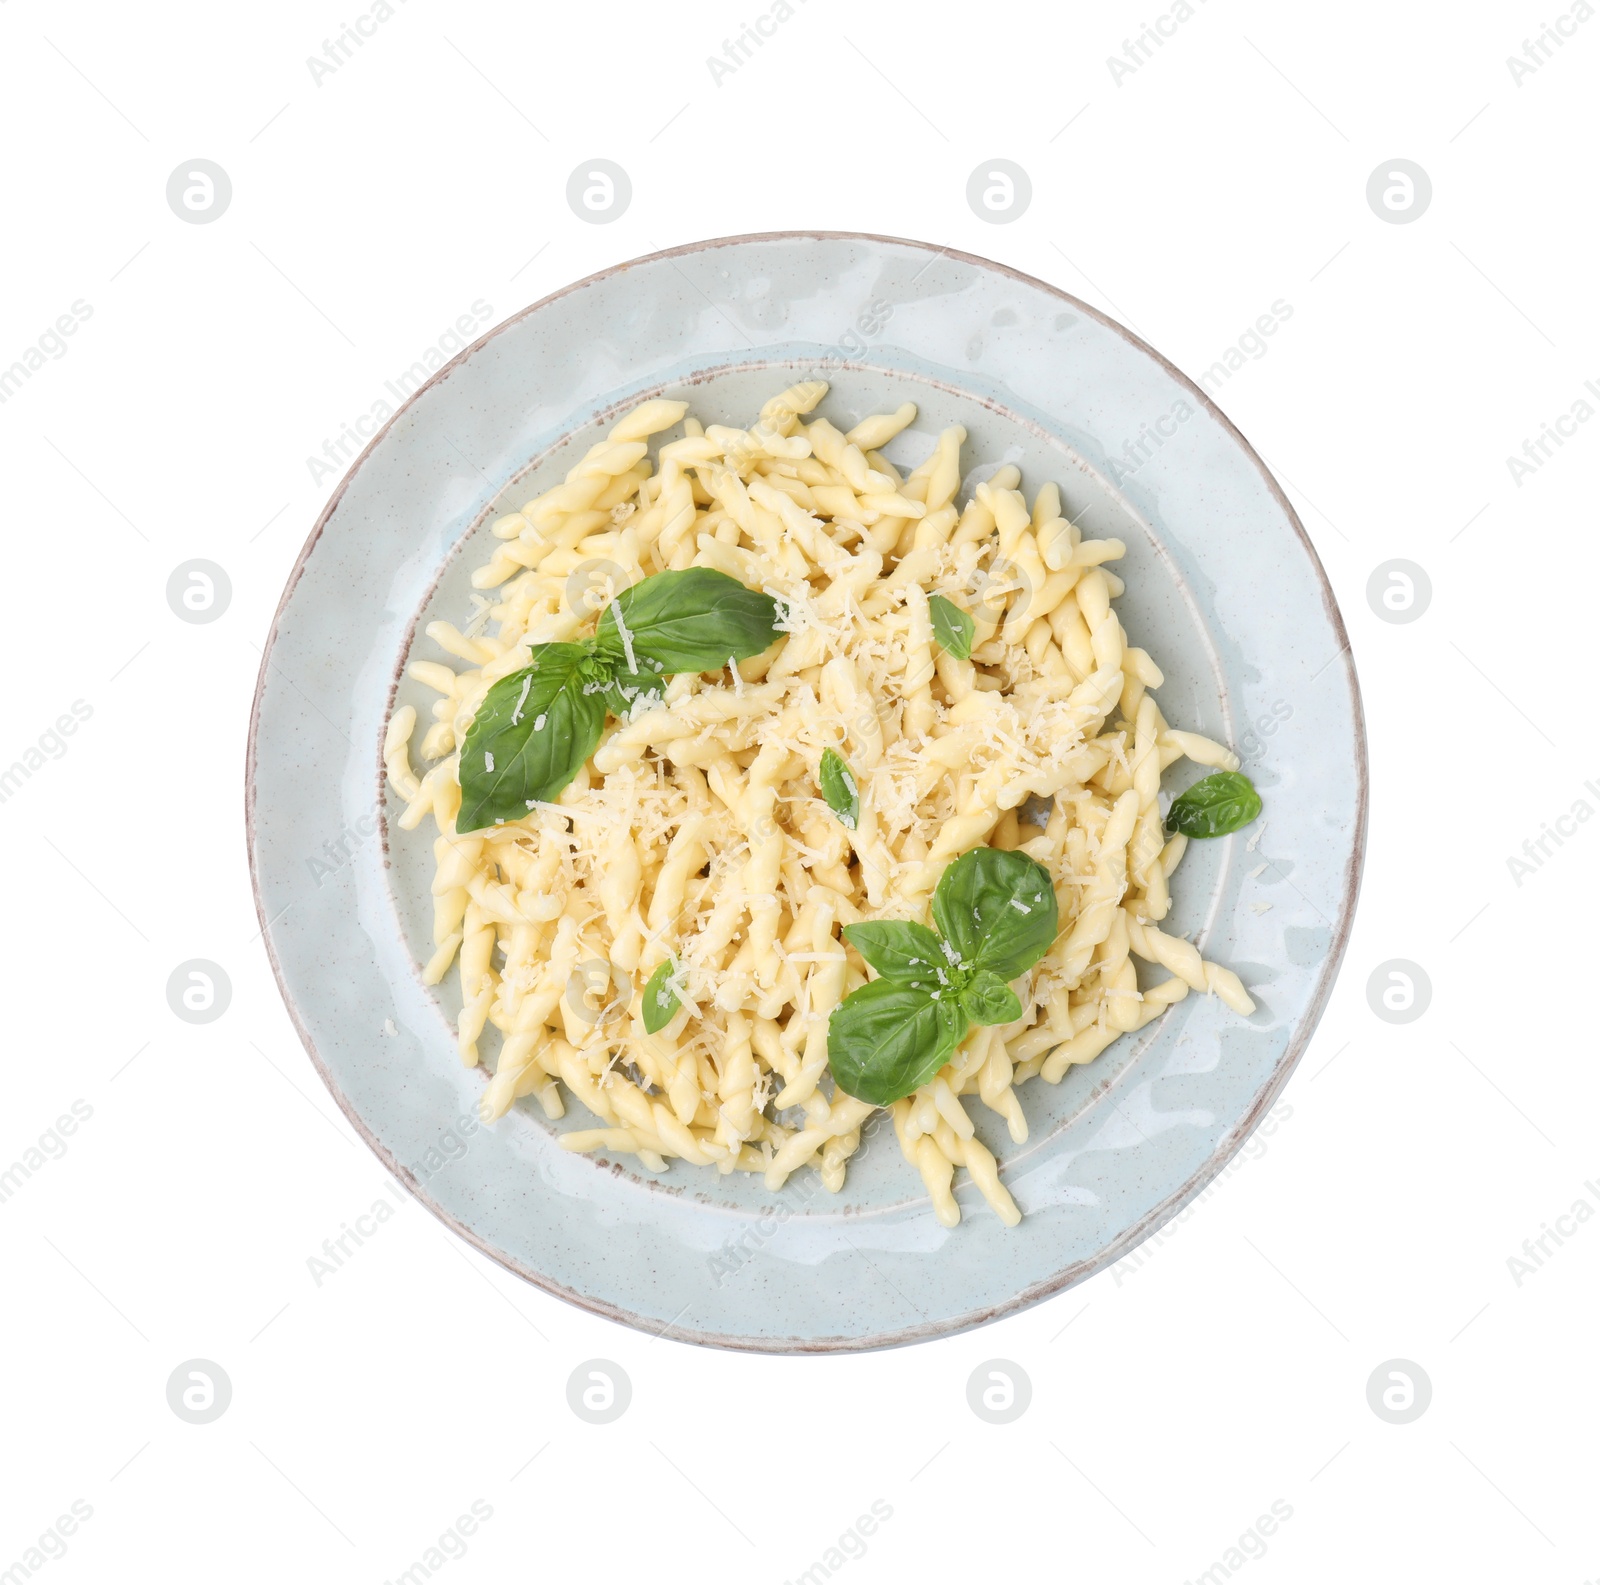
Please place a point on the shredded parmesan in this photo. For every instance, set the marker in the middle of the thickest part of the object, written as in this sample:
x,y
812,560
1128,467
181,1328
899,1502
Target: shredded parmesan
x,y
697,834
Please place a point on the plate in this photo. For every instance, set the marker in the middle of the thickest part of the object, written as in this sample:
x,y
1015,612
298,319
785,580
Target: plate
x,y
1224,589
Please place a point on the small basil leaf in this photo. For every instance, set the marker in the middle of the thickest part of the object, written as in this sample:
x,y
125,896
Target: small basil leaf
x,y
696,619
840,790
901,950
952,627
530,737
1215,807
989,1000
885,1039
659,1005
626,688
997,909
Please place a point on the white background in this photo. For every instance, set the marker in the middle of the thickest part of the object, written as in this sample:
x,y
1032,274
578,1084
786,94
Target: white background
x,y
1171,1406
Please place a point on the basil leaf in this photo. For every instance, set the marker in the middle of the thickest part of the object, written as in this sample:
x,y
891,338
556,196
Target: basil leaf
x,y
659,1005
885,1039
626,688
989,1000
840,790
1215,807
997,909
532,734
693,620
952,627
901,950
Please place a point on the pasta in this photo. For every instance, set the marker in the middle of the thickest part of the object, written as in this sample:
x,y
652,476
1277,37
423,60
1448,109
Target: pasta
x,y
696,836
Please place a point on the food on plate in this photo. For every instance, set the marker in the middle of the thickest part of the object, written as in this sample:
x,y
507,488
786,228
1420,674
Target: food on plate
x,y
778,792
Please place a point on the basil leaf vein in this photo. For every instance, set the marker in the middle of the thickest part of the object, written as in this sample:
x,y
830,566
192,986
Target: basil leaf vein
x,y
659,1004
997,912
531,735
886,1039
536,729
987,999
839,789
696,619
952,627
902,950
997,909
1215,807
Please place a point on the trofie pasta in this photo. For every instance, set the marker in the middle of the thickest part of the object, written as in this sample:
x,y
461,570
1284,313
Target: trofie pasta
x,y
647,883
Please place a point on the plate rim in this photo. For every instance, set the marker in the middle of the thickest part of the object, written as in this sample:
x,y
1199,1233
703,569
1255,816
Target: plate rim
x,y
1068,1276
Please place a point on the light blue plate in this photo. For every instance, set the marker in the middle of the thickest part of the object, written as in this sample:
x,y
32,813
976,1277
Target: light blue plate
x,y
1224,590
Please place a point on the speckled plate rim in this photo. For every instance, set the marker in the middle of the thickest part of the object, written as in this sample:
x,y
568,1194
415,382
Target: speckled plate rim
x,y
1159,1214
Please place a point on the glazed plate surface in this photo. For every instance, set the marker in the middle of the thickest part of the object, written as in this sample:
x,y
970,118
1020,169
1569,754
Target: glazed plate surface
x,y
1224,590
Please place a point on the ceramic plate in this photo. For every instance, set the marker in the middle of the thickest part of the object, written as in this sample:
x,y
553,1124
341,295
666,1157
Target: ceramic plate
x,y
1224,590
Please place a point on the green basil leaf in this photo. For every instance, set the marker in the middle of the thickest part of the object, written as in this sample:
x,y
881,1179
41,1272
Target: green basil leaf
x,y
626,688
989,1000
885,1039
901,950
952,627
694,620
659,1005
1215,807
997,909
840,790
531,736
